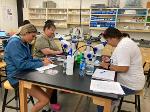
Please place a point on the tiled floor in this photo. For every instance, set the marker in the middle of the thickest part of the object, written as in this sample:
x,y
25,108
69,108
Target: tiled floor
x,y
69,102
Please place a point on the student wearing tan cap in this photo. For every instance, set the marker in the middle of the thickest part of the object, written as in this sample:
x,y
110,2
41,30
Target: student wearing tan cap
x,y
18,58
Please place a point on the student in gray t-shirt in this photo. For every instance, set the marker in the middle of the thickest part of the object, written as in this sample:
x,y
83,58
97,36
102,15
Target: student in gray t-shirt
x,y
45,46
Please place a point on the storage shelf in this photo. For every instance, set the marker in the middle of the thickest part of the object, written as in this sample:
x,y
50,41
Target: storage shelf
x,y
37,13
57,13
122,16
102,21
129,15
74,16
37,8
78,9
126,30
56,9
37,18
130,22
79,14
71,15
58,19
104,8
58,26
77,23
103,14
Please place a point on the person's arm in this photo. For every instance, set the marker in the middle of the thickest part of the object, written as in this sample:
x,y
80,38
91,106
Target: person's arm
x,y
43,45
123,60
114,67
119,68
20,59
48,51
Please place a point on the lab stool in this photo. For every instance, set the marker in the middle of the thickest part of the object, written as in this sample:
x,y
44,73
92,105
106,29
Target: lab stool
x,y
136,102
7,87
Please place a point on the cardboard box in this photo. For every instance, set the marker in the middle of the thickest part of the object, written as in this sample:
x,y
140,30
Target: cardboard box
x,y
148,5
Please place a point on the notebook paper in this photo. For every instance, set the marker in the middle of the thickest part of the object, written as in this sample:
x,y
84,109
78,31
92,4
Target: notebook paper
x,y
104,74
46,67
106,87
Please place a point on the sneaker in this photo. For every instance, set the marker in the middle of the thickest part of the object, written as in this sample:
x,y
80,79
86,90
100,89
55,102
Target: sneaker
x,y
46,110
55,107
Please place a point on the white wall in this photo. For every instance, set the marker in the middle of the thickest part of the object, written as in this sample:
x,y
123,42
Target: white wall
x,y
8,22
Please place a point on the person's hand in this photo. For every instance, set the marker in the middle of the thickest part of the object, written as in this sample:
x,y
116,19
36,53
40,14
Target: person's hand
x,y
59,52
105,59
104,65
46,61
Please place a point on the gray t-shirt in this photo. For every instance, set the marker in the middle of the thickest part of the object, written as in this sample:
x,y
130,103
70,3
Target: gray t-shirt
x,y
43,42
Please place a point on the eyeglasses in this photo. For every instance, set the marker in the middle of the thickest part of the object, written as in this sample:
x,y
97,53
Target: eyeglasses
x,y
33,35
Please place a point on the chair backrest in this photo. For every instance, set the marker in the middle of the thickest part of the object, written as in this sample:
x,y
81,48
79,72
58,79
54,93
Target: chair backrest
x,y
7,85
4,43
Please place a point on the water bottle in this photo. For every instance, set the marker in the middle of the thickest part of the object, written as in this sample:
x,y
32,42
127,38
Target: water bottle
x,y
70,63
82,68
64,66
90,67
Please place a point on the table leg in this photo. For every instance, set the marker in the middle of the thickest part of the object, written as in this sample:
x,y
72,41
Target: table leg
x,y
23,97
79,102
103,102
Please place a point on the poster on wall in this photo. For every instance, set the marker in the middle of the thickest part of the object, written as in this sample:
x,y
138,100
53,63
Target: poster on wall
x,y
133,4
113,3
10,15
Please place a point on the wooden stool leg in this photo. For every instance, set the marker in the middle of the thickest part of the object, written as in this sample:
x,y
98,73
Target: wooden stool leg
x,y
148,83
5,99
139,104
16,98
119,107
148,78
135,103
0,82
79,102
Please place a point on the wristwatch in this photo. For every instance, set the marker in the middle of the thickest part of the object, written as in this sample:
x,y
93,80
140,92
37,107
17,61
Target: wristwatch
x,y
109,66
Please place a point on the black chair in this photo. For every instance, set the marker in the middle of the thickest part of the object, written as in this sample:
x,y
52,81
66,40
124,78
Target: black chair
x,y
3,76
136,102
147,73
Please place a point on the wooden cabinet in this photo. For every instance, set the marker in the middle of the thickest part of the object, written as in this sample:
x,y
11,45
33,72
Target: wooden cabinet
x,y
131,19
74,16
59,16
37,16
